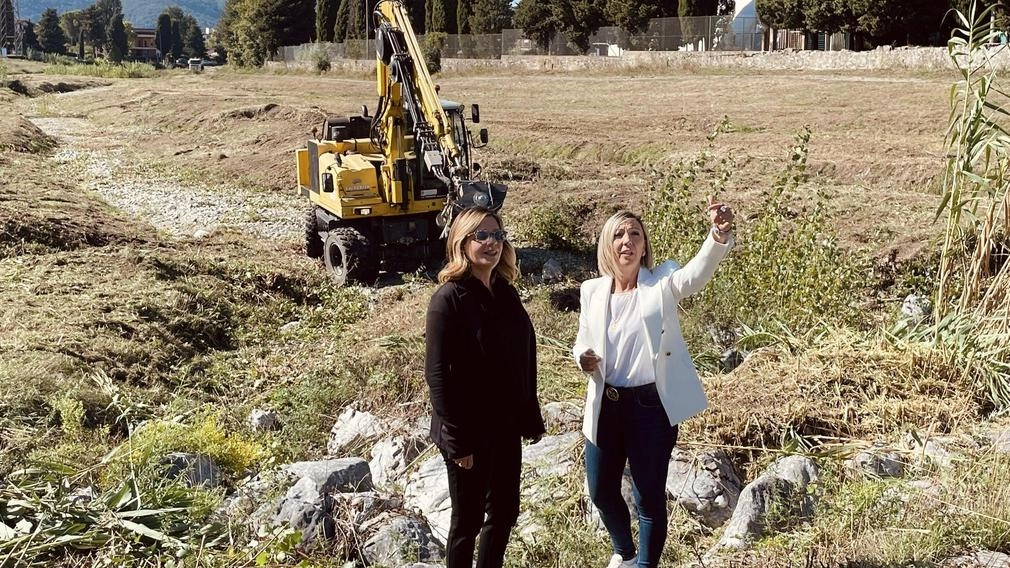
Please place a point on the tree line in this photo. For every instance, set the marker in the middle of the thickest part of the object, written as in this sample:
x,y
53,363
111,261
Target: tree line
x,y
250,31
880,22
100,29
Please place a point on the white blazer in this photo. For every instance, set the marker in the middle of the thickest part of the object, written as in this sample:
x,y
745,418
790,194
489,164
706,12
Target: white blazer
x,y
659,292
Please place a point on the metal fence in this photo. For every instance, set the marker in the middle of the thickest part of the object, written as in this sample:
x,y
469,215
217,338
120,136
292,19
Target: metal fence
x,y
715,33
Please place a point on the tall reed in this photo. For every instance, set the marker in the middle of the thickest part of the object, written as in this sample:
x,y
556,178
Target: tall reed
x,y
972,307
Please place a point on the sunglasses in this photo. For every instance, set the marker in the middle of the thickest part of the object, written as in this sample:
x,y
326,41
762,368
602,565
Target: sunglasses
x,y
481,235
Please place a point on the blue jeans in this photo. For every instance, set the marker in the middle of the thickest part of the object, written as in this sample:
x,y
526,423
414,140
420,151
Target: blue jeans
x,y
635,430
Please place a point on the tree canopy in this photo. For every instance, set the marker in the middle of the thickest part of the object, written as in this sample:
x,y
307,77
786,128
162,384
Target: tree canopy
x,y
896,22
253,30
490,16
51,36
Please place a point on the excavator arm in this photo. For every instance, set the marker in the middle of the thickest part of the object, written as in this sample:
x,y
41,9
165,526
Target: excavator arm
x,y
407,96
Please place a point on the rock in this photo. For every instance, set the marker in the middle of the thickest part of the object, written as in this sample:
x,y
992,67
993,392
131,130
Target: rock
x,y
723,337
428,491
401,540
887,464
81,495
201,234
778,497
731,359
980,559
353,428
916,307
561,417
291,326
264,420
346,475
552,271
1000,441
199,470
932,450
705,485
307,509
249,503
392,457
552,455
545,464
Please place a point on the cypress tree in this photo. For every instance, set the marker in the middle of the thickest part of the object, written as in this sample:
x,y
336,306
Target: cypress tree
x,y
340,21
176,40
463,12
118,43
163,35
434,18
326,15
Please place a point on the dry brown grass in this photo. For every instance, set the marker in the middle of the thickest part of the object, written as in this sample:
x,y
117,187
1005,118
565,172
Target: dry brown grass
x,y
17,134
876,145
842,389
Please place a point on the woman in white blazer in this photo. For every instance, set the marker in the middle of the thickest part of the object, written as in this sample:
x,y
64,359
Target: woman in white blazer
x,y
642,382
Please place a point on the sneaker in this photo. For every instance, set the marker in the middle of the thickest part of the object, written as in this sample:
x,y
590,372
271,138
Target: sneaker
x,y
617,561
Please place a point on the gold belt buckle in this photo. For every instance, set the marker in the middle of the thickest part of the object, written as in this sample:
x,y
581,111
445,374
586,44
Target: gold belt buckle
x,y
611,393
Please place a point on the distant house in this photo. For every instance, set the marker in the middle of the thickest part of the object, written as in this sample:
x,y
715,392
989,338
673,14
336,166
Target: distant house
x,y
144,47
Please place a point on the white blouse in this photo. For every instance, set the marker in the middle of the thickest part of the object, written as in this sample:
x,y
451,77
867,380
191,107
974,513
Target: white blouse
x,y
628,361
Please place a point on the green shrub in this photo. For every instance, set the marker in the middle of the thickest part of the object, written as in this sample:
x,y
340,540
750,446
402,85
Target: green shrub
x,y
321,58
786,266
558,226
71,414
433,45
232,452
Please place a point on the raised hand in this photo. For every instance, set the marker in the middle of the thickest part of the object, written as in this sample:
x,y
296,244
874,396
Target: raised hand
x,y
722,215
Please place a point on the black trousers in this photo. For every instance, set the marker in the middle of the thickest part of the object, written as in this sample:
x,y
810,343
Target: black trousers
x,y
485,502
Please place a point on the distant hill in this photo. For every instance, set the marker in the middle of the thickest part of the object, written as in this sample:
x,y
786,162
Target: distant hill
x,y
141,13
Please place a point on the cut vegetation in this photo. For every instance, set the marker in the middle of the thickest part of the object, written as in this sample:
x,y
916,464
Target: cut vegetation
x,y
121,343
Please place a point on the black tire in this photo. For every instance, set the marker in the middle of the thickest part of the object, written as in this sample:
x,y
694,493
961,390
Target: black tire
x,y
349,257
313,242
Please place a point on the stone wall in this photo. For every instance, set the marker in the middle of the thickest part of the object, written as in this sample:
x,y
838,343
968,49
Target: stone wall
x,y
915,58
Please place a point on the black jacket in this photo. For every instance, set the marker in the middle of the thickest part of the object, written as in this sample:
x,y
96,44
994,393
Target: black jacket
x,y
481,366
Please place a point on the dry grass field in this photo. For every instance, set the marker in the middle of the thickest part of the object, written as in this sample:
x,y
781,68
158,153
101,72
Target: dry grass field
x,y
148,266
876,146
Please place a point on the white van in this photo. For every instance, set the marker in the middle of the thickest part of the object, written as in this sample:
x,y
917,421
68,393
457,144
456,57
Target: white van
x,y
196,64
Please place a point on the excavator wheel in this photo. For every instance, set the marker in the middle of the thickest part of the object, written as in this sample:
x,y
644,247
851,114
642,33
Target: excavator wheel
x,y
313,242
349,257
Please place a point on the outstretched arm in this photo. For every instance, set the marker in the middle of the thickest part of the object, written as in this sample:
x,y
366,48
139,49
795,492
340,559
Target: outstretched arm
x,y
700,269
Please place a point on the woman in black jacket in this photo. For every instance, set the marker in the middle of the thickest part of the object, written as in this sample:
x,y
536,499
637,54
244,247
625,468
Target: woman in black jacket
x,y
481,369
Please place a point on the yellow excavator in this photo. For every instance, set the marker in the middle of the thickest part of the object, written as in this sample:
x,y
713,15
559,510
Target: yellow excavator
x,y
384,189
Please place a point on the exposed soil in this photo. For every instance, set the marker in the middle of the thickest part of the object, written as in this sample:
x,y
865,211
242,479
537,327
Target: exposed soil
x,y
876,146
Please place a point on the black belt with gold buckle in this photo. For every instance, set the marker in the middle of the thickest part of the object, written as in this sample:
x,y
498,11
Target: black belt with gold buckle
x,y
611,393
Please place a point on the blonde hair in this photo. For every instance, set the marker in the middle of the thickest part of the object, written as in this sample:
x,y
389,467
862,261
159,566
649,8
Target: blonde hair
x,y
606,258
458,265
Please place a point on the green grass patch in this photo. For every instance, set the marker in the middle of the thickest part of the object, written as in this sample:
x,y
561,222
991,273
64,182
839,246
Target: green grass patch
x,y
130,70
